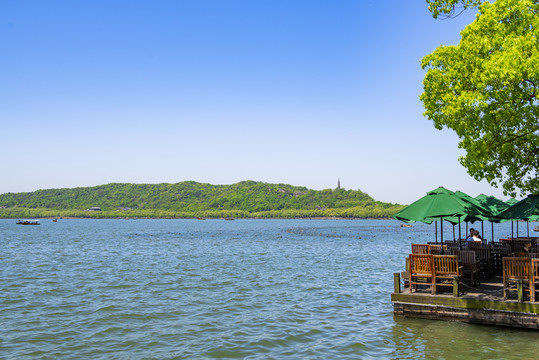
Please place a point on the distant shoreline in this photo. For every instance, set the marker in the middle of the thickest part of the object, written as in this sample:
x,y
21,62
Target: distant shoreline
x,y
246,199
201,219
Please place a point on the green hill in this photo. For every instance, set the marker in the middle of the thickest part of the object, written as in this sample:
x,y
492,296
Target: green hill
x,y
192,199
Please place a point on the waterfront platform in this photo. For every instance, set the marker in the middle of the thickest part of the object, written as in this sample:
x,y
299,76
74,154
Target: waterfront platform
x,y
483,304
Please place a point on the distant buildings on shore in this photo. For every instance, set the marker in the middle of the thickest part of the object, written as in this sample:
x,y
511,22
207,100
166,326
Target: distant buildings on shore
x,y
93,208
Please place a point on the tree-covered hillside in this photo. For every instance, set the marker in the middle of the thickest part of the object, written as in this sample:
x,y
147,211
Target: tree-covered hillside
x,y
185,199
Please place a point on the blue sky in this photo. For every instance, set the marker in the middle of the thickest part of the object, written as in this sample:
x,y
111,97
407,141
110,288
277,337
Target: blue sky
x,y
285,91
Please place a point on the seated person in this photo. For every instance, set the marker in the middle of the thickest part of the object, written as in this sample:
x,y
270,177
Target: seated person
x,y
476,237
470,237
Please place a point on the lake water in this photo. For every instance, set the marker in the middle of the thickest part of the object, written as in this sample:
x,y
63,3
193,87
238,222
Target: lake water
x,y
249,289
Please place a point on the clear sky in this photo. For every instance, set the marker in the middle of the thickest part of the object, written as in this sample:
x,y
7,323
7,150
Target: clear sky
x,y
283,91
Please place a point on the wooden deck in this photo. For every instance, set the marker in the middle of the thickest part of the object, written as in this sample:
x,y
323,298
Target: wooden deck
x,y
483,304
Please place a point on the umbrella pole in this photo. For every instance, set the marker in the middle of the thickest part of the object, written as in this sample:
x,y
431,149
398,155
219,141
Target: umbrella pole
x,y
517,229
460,236
528,228
454,233
436,231
512,237
482,229
442,235
492,226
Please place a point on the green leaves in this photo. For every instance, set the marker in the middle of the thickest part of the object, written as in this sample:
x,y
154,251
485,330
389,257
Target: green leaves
x,y
450,8
485,89
192,199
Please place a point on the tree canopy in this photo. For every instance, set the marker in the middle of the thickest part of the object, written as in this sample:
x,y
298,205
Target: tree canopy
x,y
485,89
192,199
450,8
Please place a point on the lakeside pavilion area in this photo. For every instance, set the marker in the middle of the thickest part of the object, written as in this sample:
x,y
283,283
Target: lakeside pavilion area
x,y
487,284
494,282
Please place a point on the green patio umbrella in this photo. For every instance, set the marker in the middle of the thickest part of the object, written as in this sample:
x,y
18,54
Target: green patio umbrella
x,y
474,210
495,206
480,213
511,202
525,209
439,204
483,212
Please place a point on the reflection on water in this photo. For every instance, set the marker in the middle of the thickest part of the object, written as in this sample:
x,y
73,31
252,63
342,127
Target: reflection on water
x,y
439,339
252,289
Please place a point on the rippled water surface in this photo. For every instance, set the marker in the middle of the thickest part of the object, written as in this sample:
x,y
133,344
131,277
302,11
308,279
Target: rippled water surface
x,y
253,289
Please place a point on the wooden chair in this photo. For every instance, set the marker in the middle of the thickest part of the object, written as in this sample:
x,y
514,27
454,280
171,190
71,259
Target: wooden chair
x,y
498,252
517,246
436,249
515,269
486,264
519,254
453,246
534,278
420,249
422,272
527,243
446,269
470,265
473,245
500,245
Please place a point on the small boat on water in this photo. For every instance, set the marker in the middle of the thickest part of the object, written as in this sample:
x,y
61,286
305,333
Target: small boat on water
x,y
28,222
